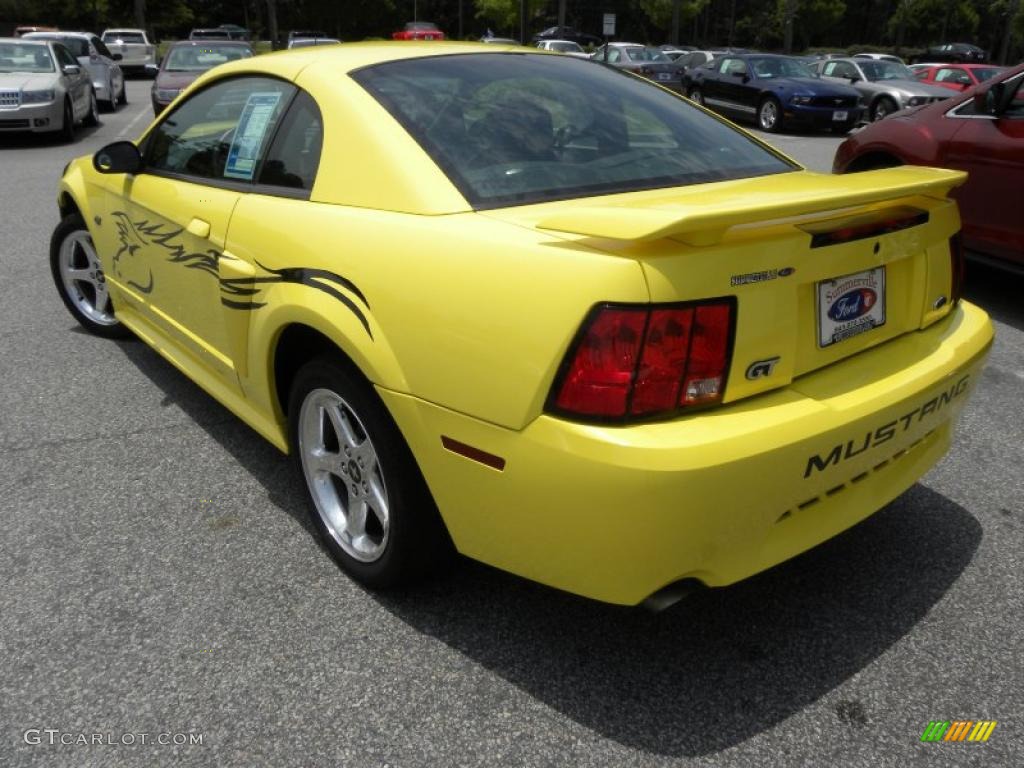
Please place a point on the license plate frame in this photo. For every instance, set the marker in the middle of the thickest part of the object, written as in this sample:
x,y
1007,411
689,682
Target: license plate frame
x,y
849,305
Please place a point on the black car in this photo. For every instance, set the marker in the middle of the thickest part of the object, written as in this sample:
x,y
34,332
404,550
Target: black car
x,y
773,91
567,33
960,53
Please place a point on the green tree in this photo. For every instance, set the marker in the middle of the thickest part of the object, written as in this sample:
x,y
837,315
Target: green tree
x,y
504,14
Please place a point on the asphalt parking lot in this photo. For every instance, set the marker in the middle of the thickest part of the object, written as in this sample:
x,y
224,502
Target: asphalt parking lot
x,y
159,577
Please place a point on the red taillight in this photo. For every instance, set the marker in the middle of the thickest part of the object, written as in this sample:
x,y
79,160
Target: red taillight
x,y
641,361
957,267
600,377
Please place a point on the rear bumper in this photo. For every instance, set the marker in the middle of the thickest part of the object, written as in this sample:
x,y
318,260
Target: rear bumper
x,y
616,514
822,117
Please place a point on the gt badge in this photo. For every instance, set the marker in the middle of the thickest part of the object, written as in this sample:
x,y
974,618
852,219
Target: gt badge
x,y
761,368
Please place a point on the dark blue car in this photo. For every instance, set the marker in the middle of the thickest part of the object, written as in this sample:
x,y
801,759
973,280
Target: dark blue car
x,y
774,91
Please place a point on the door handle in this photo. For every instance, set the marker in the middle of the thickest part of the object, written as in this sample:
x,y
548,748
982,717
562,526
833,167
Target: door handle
x,y
199,228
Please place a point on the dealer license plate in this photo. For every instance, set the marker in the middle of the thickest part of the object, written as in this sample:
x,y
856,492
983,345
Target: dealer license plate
x,y
840,116
850,305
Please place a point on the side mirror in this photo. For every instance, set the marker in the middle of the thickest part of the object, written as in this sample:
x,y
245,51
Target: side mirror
x,y
991,100
119,157
853,79
71,69
118,57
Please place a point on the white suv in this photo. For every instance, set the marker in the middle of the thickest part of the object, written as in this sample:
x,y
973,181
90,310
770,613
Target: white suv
x,y
138,54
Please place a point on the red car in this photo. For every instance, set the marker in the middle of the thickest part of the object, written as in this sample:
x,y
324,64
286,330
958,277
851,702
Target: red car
x,y
419,30
956,77
981,132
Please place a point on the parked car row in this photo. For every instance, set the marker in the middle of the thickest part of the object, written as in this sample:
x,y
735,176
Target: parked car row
x,y
96,59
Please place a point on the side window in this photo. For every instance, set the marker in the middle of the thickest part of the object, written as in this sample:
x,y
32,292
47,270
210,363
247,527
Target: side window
x,y
921,74
64,57
101,48
295,154
220,132
1016,108
736,67
614,55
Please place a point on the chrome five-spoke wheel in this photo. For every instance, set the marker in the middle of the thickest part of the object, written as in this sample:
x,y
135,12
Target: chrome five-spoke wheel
x,y
80,281
83,278
344,475
367,497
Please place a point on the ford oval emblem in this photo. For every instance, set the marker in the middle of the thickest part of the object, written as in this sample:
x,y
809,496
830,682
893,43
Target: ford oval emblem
x,y
852,305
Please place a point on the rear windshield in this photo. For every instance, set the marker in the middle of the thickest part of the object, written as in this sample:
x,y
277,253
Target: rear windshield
x,y
124,37
524,128
199,58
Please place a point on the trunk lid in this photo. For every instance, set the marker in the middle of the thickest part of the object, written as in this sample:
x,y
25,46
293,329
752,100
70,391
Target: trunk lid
x,y
822,267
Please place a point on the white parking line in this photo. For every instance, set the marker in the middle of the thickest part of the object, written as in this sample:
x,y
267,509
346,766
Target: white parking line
x,y
125,134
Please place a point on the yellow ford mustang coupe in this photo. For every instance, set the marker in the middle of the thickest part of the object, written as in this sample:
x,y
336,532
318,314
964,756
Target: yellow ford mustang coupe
x,y
522,305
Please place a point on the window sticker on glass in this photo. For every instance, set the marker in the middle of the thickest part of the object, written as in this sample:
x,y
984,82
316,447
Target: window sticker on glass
x,y
249,135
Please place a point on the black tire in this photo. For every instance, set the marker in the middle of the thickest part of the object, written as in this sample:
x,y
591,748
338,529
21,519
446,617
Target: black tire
x,y
697,97
92,117
415,542
882,108
124,93
74,295
67,130
769,115
112,102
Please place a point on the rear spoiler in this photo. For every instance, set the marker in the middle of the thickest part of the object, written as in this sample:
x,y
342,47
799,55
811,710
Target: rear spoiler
x,y
704,223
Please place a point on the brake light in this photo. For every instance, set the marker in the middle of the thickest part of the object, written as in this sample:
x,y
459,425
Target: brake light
x,y
862,227
957,267
632,362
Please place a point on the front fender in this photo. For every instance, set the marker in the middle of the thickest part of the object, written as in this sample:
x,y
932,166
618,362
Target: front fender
x,y
76,191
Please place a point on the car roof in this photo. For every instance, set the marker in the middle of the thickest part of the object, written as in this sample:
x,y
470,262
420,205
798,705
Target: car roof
x,y
218,41
57,35
30,40
115,30
375,143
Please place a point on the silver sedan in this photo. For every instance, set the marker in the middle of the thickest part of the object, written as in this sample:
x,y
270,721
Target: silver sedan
x,y
43,88
94,56
884,86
